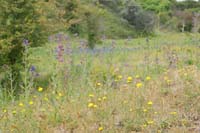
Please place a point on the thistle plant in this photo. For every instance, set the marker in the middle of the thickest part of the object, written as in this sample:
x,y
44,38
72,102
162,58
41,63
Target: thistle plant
x,y
28,73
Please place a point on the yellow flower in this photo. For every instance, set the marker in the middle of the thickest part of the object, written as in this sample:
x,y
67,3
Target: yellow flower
x,y
46,99
60,94
104,98
145,125
139,85
90,105
40,89
150,103
145,110
129,81
173,113
99,99
21,104
150,122
95,106
14,112
130,78
4,110
119,76
91,95
137,76
155,112
131,110
100,129
31,102
148,78
98,84
169,81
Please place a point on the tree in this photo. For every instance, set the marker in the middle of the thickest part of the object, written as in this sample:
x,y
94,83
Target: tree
x,y
142,21
30,22
19,26
155,5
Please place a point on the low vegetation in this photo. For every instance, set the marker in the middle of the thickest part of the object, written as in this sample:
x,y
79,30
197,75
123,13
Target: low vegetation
x,y
133,85
99,66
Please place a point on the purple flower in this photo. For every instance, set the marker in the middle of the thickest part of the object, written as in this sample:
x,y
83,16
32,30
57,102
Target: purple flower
x,y
61,47
25,42
32,68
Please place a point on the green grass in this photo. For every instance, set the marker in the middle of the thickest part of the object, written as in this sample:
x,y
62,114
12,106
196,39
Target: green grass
x,y
91,91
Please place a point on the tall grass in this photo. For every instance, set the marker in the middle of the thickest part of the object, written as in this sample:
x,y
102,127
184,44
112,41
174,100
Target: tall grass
x,y
120,86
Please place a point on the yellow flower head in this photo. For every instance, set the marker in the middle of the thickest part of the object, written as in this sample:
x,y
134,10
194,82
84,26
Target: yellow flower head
x,y
21,104
40,89
60,94
145,125
150,122
169,81
150,103
119,76
99,99
90,105
95,106
31,102
145,110
100,128
129,79
98,84
91,95
148,78
137,76
173,113
14,112
104,98
139,85
46,99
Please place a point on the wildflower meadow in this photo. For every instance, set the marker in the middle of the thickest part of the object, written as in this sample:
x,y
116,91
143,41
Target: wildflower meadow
x,y
132,86
99,66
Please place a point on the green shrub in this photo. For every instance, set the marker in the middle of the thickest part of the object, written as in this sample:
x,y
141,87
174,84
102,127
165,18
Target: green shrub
x,y
19,22
143,21
92,29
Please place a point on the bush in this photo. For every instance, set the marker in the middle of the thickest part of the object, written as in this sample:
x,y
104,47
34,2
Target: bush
x,y
19,21
185,20
143,21
92,29
90,20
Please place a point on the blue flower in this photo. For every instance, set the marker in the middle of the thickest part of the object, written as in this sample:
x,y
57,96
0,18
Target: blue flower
x,y
32,69
25,42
